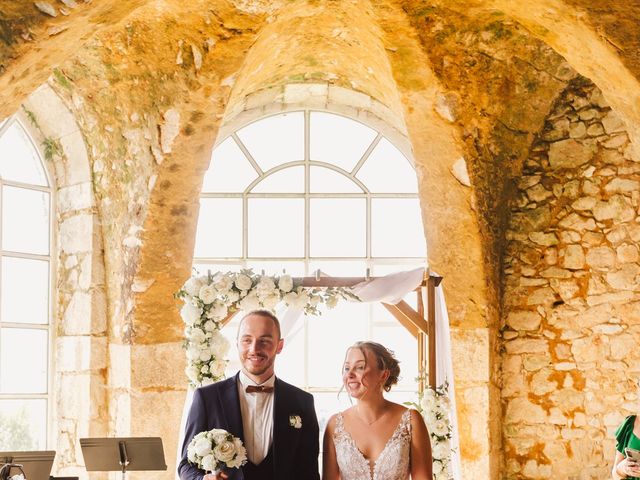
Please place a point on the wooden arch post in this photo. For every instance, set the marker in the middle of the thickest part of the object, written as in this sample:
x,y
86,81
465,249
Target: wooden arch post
x,y
421,328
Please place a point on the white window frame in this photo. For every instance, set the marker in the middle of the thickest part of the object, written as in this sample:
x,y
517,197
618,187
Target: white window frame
x,y
21,120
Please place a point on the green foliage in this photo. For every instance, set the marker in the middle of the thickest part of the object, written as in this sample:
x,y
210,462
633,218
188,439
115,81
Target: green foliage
x,y
62,80
52,148
31,116
15,432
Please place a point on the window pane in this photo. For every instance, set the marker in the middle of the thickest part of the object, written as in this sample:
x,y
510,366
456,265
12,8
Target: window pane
x,y
338,140
328,403
25,220
325,364
276,227
405,348
25,290
275,140
23,425
23,360
219,232
339,268
19,160
388,171
396,228
338,227
289,180
290,363
229,171
325,180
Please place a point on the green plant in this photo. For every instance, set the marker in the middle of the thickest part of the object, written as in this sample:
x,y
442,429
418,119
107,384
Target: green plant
x,y
52,148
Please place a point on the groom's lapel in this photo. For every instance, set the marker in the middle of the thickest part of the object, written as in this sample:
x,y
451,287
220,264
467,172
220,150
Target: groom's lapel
x,y
231,407
283,434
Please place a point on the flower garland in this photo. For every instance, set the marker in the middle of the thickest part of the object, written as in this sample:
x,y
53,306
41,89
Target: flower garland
x,y
434,405
209,299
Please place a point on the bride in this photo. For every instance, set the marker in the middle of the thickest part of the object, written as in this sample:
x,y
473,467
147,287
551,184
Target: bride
x,y
375,439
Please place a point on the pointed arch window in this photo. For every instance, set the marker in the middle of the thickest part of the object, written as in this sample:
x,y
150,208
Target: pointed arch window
x,y
25,291
309,190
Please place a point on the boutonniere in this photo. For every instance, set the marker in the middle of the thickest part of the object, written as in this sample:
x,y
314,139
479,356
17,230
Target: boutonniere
x,y
295,421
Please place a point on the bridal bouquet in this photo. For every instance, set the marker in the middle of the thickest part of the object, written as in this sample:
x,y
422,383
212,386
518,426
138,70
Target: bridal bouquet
x,y
216,449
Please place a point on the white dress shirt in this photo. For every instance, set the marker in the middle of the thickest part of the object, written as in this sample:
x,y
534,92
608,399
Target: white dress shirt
x,y
257,418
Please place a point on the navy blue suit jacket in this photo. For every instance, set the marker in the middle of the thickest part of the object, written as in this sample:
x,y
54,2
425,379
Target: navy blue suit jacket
x,y
295,450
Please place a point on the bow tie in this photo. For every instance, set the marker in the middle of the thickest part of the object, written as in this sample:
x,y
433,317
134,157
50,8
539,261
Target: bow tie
x,y
259,389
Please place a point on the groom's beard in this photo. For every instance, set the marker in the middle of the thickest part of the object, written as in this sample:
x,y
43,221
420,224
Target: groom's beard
x,y
264,365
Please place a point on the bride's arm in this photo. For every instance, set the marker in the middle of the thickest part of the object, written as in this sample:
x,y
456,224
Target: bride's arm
x,y
421,462
330,469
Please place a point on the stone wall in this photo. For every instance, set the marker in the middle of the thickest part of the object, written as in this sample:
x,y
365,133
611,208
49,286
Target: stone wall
x,y
571,309
79,398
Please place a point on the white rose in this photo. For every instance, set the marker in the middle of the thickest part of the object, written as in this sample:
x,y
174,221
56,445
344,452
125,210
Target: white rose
x,y
207,381
250,302
217,368
192,286
243,282
265,287
429,418
241,454
190,313
428,403
285,283
331,302
223,284
290,298
314,300
196,336
440,428
192,373
436,467
224,451
219,343
203,446
193,353
233,296
441,450
209,463
205,354
271,301
204,369
209,326
191,453
218,436
207,294
218,311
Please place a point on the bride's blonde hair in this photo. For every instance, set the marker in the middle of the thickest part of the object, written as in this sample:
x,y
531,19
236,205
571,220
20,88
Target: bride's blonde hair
x,y
385,360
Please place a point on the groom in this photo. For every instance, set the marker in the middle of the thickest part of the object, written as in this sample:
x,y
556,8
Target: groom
x,y
276,421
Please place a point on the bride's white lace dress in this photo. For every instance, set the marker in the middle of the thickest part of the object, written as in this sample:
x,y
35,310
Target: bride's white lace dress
x,y
393,463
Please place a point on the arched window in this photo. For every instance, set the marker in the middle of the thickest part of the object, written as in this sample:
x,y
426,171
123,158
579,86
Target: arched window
x,y
25,287
311,190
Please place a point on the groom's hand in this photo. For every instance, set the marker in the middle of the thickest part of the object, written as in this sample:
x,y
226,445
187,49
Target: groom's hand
x,y
213,476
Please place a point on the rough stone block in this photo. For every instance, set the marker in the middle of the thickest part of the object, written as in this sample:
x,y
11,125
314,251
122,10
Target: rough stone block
x,y
149,366
570,153
76,234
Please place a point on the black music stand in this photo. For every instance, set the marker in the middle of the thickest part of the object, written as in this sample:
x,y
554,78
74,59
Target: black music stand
x,y
36,465
123,454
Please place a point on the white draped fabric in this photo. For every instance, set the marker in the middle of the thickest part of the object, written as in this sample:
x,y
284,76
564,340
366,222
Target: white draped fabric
x,y
388,289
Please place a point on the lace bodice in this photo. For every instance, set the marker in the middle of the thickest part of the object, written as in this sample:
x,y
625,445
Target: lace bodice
x,y
391,464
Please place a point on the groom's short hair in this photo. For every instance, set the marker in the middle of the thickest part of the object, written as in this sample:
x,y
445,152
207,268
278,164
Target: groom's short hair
x,y
266,314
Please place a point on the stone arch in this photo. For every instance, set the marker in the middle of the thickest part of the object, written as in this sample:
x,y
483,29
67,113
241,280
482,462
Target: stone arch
x,y
80,316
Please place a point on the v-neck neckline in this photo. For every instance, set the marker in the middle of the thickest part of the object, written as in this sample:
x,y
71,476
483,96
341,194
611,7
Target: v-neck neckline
x,y
372,466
